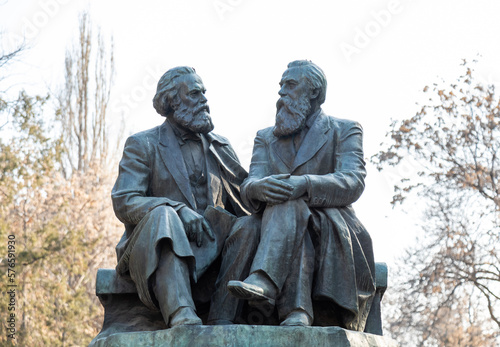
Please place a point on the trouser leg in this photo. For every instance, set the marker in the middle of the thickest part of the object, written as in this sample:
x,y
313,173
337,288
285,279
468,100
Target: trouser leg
x,y
297,290
237,255
282,234
172,286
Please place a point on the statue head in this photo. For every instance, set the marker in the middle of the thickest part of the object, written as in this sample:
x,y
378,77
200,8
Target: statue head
x,y
180,96
303,91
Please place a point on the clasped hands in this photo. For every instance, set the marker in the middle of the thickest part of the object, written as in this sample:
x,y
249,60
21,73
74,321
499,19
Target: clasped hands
x,y
273,190
195,225
276,189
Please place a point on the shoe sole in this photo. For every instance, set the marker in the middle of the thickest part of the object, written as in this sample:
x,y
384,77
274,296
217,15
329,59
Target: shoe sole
x,y
256,298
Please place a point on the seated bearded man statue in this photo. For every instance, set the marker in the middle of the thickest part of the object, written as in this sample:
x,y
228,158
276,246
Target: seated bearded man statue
x,y
169,177
313,257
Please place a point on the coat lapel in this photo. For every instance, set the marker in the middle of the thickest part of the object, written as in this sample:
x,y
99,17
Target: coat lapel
x,y
231,172
213,175
283,149
231,166
170,152
315,139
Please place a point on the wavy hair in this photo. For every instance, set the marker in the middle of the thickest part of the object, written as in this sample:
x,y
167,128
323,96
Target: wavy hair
x,y
167,90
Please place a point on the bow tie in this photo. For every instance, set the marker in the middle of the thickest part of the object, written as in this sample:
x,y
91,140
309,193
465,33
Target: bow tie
x,y
191,137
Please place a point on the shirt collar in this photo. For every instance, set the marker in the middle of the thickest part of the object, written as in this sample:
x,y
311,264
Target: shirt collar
x,y
182,134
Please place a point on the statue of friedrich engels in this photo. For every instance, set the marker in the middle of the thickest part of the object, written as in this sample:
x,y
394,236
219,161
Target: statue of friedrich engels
x,y
311,249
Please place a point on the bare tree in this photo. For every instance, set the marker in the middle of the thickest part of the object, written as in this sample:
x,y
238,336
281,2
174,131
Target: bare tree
x,y
5,59
448,288
83,101
54,201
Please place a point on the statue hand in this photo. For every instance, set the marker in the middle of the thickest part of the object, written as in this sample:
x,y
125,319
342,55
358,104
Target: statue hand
x,y
271,189
299,184
195,225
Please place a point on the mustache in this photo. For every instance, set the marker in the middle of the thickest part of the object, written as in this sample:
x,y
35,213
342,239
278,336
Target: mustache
x,y
204,107
193,119
283,101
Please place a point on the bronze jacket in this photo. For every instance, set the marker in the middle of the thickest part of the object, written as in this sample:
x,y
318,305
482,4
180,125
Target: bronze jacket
x,y
331,158
152,173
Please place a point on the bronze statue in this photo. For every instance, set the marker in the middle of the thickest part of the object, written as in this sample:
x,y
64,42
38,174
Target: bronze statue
x,y
177,189
305,173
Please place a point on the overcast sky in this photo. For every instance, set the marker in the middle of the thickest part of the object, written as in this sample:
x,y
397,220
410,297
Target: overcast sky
x,y
377,56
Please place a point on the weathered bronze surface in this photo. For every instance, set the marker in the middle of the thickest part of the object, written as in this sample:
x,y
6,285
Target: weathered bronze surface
x,y
302,258
313,258
169,177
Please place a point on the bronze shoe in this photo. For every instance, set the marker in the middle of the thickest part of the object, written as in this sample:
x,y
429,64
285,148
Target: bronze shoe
x,y
297,318
258,296
185,316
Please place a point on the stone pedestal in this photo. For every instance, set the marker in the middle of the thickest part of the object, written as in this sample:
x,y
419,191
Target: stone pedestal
x,y
128,322
245,335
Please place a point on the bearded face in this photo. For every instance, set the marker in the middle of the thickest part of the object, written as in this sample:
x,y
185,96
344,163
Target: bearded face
x,y
291,114
195,119
191,111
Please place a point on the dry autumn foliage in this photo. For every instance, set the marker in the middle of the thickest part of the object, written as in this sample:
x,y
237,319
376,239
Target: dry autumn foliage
x,y
60,216
446,291
64,230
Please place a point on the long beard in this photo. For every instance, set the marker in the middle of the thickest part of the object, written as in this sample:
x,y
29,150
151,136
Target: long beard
x,y
291,115
196,120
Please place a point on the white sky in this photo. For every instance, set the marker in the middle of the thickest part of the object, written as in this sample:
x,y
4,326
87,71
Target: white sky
x,y
240,48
